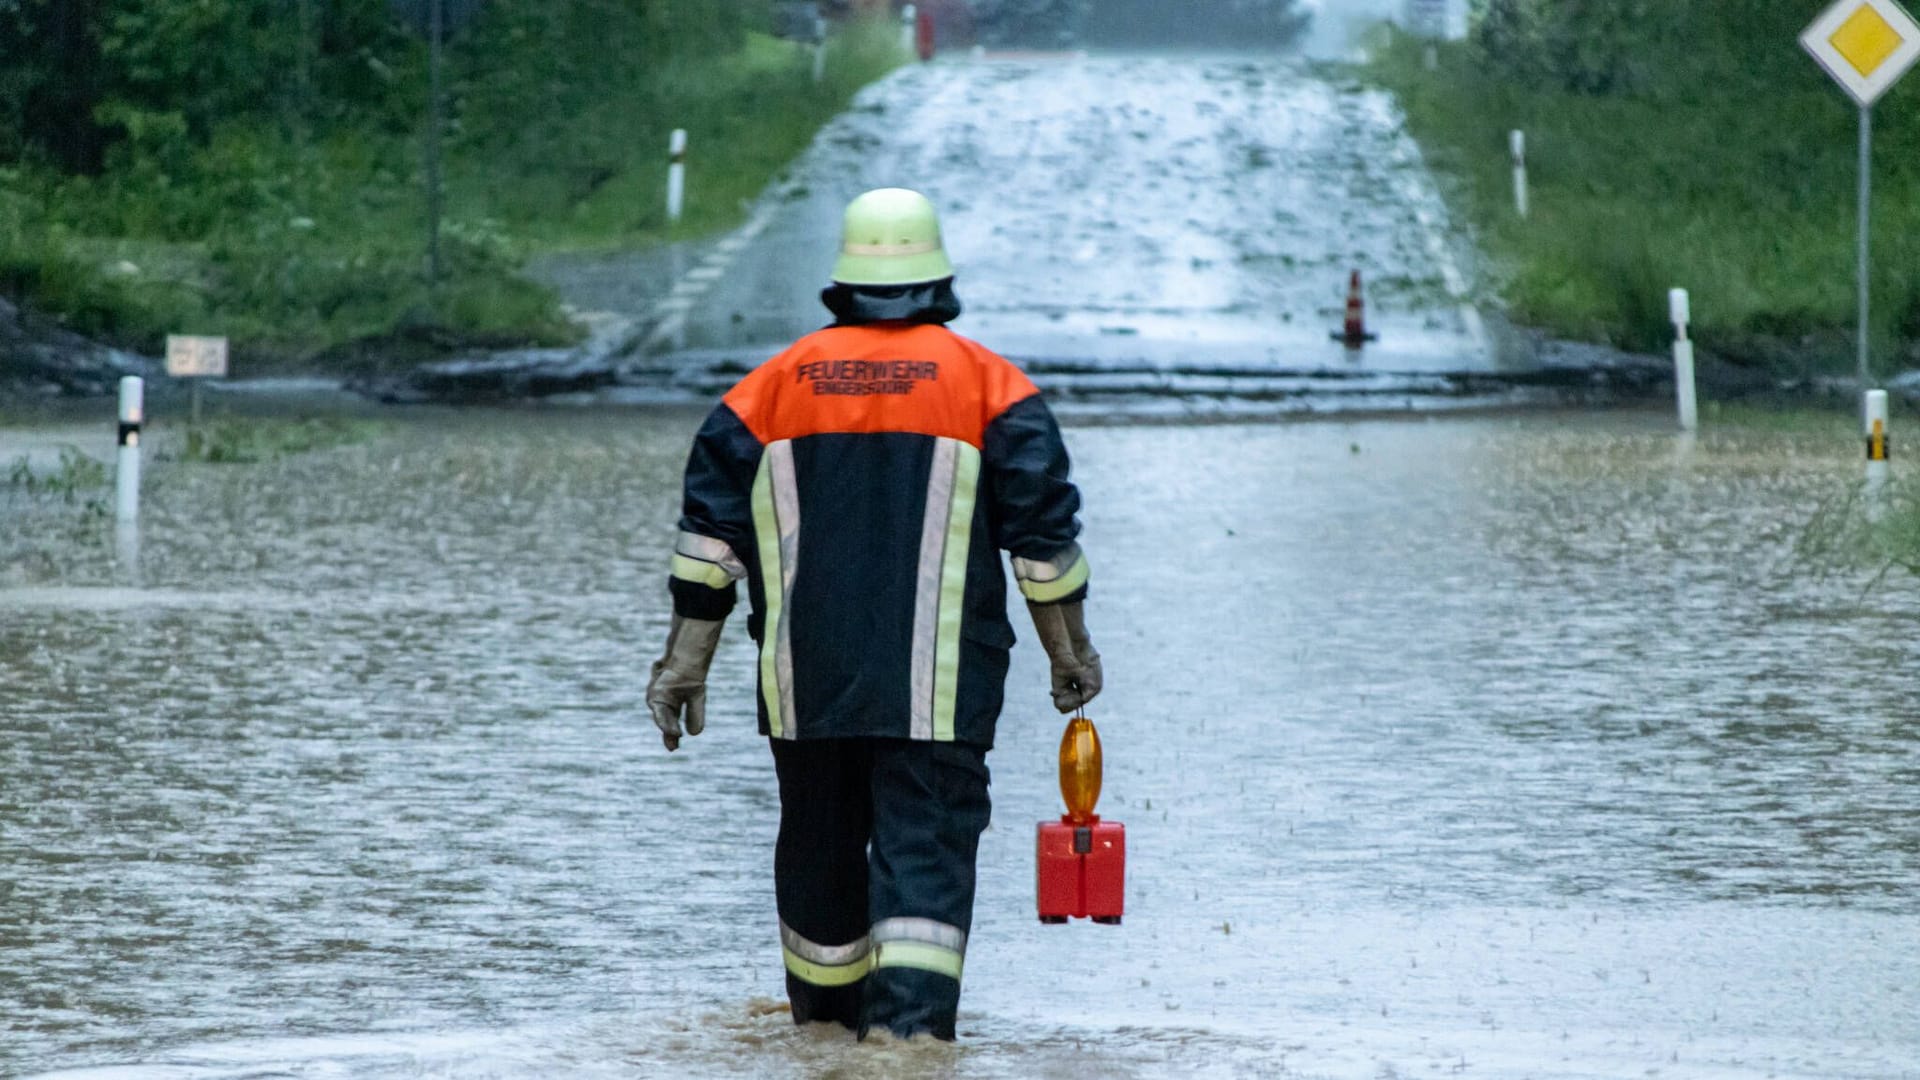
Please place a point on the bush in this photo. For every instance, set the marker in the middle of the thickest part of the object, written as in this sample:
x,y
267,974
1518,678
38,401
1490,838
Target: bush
x,y
1588,48
263,178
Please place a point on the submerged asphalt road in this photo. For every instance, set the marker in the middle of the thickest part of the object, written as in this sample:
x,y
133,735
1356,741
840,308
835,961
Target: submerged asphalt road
x,y
1170,230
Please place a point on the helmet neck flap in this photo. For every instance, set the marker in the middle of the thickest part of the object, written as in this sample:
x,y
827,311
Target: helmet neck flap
x,y
928,303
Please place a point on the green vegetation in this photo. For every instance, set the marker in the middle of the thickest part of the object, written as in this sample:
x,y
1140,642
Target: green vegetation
x,y
1839,425
1849,532
254,168
76,475
246,440
1690,143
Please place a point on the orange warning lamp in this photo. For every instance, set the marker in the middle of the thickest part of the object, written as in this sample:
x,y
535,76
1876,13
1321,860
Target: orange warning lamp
x,y
1080,769
1082,859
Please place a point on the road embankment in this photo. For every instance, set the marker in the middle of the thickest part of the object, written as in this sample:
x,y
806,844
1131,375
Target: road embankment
x,y
1734,181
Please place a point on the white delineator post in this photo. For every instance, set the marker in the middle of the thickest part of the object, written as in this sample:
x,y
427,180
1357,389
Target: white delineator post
x,y
1517,145
676,174
1877,437
126,486
909,15
1680,309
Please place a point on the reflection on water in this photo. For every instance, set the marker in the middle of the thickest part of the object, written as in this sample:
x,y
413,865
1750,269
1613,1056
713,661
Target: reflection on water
x,y
1512,742
126,552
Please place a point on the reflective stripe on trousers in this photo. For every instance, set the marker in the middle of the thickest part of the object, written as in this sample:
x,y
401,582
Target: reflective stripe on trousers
x,y
925,944
919,943
825,965
878,840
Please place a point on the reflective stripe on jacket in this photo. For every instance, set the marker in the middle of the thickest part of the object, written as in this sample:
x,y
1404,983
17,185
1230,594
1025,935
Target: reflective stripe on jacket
x,y
863,483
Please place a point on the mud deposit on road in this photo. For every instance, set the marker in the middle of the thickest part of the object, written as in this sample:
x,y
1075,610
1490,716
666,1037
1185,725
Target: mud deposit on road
x,y
1500,747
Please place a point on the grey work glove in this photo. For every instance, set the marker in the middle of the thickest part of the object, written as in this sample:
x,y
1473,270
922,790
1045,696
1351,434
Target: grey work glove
x,y
1062,629
680,678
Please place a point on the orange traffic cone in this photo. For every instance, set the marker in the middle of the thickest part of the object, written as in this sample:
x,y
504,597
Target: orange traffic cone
x,y
1355,334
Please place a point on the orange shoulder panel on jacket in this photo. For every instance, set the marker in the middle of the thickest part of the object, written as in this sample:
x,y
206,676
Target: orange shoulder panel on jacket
x,y
879,378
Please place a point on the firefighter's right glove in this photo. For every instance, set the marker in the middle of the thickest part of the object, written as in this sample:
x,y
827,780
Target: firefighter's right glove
x,y
680,678
1062,629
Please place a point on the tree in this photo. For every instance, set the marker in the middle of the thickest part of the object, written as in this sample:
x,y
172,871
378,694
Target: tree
x,y
1196,22
1587,46
53,80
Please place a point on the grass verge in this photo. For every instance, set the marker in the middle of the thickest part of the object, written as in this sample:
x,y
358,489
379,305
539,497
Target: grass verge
x,y
307,249
246,440
1741,191
1852,529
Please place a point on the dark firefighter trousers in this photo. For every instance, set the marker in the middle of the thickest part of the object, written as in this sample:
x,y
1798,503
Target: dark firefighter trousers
x,y
874,875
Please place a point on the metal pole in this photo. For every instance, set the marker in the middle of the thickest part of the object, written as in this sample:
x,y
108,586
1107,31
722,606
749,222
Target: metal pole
x,y
303,58
1866,203
436,30
303,76
819,47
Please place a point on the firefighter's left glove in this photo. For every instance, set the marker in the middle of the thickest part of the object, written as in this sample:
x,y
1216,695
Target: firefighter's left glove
x,y
1062,629
680,678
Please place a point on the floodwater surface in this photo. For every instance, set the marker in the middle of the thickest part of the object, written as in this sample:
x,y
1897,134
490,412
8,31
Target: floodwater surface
x,y
1493,747
1120,224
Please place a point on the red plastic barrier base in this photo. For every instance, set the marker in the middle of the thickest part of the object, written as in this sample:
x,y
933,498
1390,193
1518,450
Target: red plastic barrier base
x,y
1082,870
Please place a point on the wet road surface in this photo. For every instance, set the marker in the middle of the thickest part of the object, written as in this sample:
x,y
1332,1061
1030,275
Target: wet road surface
x,y
1489,747
1180,227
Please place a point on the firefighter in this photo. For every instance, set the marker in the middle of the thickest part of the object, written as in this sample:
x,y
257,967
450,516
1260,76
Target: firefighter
x,y
862,484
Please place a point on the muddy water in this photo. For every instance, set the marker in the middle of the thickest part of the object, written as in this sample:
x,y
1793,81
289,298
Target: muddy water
x,y
1119,211
1505,747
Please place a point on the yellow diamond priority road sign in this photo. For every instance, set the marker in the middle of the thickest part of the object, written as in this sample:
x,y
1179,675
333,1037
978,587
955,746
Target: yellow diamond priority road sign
x,y
1866,45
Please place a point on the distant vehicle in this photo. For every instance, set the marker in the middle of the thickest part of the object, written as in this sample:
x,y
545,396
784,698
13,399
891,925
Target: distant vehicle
x,y
798,20
1025,24
1055,24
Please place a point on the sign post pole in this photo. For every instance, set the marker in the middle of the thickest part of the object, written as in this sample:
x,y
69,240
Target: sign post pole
x,y
436,30
1866,46
196,359
1866,219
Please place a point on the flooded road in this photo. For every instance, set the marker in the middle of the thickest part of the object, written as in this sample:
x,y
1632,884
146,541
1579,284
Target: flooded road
x,y
1182,226
1491,747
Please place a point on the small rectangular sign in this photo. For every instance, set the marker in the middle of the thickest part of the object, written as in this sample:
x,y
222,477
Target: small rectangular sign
x,y
196,357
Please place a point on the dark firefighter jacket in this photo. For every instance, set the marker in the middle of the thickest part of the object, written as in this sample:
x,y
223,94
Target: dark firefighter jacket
x,y
863,484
